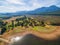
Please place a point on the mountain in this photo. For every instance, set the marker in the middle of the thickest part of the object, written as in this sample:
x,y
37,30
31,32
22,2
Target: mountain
x,y
47,9
44,10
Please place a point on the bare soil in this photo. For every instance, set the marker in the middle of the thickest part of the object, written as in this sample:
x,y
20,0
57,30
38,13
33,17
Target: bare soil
x,y
47,36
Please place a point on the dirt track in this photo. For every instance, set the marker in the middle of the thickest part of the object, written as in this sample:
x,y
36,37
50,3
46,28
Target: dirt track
x,y
47,36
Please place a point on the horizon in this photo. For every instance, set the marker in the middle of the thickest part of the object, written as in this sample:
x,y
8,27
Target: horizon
x,y
25,5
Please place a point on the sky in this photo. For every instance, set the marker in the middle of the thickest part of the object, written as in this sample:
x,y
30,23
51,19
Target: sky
x,y
25,5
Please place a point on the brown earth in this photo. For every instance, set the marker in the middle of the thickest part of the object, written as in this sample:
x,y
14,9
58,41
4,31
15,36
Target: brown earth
x,y
47,36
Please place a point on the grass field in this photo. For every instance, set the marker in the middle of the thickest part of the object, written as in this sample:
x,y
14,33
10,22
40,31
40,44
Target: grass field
x,y
44,29
20,29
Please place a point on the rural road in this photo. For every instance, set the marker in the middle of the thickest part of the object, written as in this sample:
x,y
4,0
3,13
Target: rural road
x,y
47,36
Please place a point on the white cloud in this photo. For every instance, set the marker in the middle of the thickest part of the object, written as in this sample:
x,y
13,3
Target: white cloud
x,y
20,5
15,2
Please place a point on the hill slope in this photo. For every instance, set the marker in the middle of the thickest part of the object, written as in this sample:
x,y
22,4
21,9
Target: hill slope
x,y
44,10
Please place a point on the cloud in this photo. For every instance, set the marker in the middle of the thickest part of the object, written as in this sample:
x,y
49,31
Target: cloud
x,y
58,3
15,2
20,5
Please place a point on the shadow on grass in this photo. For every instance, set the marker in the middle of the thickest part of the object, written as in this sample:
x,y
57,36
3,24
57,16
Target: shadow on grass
x,y
58,24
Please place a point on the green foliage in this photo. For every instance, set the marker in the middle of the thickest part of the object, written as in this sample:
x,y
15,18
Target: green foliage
x,y
44,29
6,25
1,23
13,25
34,22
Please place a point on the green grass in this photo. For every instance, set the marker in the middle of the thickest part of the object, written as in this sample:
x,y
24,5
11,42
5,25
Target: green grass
x,y
44,29
18,29
35,28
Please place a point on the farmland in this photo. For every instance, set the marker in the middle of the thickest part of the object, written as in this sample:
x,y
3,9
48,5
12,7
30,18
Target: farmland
x,y
38,25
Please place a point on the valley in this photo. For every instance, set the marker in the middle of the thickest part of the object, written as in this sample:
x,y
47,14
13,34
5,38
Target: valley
x,y
46,27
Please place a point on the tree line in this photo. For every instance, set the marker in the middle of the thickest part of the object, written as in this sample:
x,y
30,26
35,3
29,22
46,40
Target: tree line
x,y
24,22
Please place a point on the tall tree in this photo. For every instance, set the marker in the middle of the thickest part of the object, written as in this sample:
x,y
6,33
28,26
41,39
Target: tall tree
x,y
42,23
13,25
18,23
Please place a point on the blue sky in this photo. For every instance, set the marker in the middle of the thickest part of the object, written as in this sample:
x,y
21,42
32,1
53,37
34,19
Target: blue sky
x,y
22,5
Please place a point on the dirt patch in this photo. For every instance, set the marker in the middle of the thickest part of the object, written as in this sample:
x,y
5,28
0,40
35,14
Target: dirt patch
x,y
47,36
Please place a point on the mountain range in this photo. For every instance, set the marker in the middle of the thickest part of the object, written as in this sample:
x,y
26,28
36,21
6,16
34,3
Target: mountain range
x,y
39,11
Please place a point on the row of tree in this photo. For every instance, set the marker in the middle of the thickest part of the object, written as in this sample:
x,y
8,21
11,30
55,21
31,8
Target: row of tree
x,y
24,22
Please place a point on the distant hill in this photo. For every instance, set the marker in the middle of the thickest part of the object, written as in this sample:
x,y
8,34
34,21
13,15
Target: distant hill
x,y
44,10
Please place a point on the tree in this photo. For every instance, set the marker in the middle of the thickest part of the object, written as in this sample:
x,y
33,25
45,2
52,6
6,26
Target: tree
x,y
13,25
3,30
42,23
5,26
18,23
1,23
